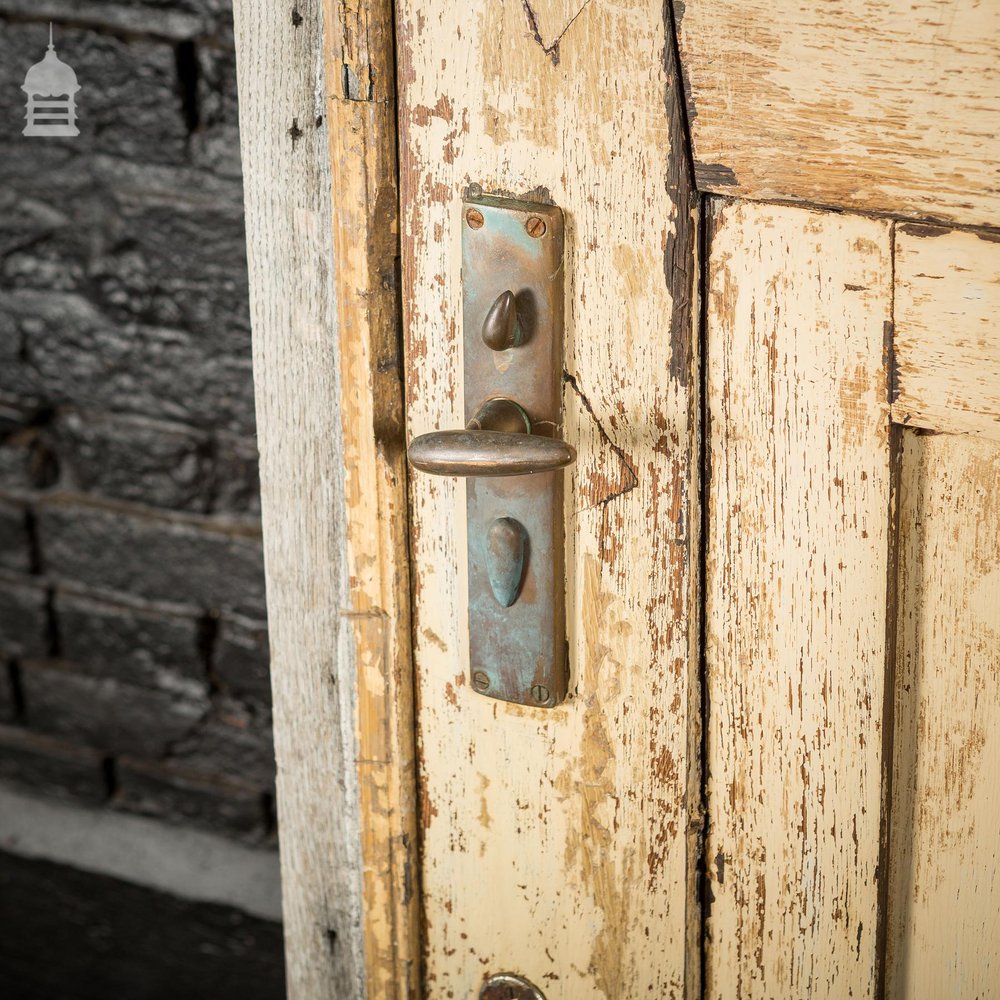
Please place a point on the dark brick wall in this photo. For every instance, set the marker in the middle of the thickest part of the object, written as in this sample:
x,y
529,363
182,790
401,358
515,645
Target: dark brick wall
x,y
132,638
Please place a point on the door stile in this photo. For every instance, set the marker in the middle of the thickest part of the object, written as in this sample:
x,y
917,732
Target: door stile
x,y
797,575
583,820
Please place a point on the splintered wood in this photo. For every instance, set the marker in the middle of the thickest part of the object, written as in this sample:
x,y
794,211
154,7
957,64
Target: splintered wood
x,y
559,844
796,591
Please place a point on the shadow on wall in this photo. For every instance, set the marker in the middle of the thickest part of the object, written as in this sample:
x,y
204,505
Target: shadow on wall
x,y
135,674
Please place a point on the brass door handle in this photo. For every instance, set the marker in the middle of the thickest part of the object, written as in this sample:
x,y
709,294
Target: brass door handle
x,y
513,295
497,442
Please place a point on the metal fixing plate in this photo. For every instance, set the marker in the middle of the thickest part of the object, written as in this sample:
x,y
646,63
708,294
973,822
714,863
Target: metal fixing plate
x,y
517,653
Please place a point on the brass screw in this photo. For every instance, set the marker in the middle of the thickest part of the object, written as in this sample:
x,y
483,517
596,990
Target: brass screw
x,y
474,218
535,227
540,694
480,681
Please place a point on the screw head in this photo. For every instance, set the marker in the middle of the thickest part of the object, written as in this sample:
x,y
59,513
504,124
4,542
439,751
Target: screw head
x,y
540,693
535,227
480,681
474,218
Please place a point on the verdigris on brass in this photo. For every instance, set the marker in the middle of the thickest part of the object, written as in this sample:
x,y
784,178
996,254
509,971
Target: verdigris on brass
x,y
506,553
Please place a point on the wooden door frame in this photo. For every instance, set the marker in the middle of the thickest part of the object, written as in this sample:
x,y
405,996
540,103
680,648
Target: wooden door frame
x,y
318,137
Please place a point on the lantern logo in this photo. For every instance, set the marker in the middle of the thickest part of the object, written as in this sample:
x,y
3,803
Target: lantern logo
x,y
51,88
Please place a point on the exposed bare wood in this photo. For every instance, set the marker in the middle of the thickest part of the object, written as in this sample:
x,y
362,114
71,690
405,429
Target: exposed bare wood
x,y
362,108
796,585
558,844
944,924
316,103
890,107
947,343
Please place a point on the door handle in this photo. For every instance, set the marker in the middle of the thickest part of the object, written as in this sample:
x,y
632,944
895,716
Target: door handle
x,y
497,442
512,281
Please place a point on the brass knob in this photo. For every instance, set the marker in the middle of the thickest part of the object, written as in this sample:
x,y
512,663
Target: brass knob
x,y
497,442
502,326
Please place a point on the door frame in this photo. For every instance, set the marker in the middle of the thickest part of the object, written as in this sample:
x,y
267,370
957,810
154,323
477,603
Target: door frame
x,y
318,138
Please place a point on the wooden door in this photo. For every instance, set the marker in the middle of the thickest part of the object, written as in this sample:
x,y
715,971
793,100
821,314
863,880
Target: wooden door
x,y
776,772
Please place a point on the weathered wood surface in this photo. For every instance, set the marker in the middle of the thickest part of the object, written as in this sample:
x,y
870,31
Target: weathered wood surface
x,y
796,594
890,107
559,844
318,166
944,923
947,343
361,104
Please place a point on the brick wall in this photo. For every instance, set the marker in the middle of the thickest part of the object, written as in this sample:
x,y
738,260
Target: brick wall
x,y
132,631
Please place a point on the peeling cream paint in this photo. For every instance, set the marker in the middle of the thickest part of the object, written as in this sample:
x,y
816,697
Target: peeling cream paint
x,y
797,571
888,107
538,858
947,343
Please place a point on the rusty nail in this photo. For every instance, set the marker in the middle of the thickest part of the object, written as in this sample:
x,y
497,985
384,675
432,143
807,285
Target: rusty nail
x,y
474,218
540,693
535,227
480,681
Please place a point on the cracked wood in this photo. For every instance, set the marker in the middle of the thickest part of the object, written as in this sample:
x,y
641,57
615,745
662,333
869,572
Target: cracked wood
x,y
561,844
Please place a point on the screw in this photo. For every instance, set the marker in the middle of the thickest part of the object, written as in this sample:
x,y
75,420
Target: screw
x,y
540,694
535,227
474,218
480,681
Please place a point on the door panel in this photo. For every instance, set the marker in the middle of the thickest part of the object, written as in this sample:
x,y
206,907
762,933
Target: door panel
x,y
559,844
944,924
797,573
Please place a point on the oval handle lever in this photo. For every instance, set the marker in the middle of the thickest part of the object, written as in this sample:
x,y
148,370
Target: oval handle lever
x,y
497,442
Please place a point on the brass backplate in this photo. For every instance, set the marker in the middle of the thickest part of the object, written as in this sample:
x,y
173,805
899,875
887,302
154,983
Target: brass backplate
x,y
517,653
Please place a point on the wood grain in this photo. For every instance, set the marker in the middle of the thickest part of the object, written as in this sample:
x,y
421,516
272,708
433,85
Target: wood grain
x,y
561,844
944,925
889,107
316,107
361,106
796,584
947,342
